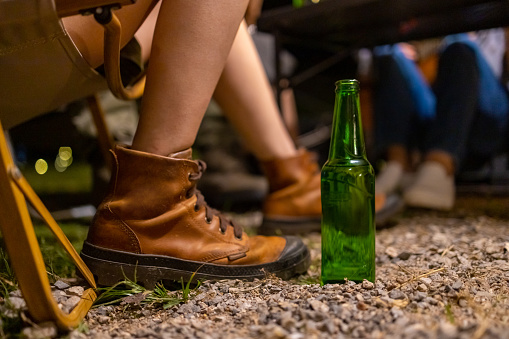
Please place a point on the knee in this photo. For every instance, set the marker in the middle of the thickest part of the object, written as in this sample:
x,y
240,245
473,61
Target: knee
x,y
459,51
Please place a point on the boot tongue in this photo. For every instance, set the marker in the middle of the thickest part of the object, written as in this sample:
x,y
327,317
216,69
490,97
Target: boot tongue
x,y
185,154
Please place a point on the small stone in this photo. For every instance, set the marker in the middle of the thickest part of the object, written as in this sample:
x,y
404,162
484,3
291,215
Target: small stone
x,y
415,331
396,312
287,321
367,284
104,310
318,306
61,285
16,293
493,249
72,302
404,255
362,306
450,291
463,302
426,281
458,284
278,332
76,290
103,319
391,252
402,321
145,333
326,326
431,301
17,303
440,239
44,330
419,296
422,288
466,324
77,335
397,294
447,330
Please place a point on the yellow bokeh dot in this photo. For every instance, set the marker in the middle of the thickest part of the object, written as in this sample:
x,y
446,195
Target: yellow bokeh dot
x,y
41,166
65,153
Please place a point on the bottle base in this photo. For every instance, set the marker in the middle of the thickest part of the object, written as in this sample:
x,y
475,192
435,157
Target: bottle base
x,y
340,276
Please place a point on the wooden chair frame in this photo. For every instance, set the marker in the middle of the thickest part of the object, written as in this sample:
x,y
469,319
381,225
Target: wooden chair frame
x,y
15,223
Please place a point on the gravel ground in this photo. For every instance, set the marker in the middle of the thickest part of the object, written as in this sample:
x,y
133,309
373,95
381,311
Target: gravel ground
x,y
439,275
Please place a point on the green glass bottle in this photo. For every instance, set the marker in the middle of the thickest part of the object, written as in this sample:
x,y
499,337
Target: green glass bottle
x,y
348,195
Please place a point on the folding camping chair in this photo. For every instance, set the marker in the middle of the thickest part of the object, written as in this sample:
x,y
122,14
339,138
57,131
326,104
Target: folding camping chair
x,y
15,223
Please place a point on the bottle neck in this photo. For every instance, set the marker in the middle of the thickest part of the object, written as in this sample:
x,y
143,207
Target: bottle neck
x,y
347,142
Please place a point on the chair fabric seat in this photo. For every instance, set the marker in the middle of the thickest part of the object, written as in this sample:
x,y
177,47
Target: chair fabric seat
x,y
40,67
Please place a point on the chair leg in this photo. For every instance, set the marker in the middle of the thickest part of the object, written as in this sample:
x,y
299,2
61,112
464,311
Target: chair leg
x,y
103,133
24,251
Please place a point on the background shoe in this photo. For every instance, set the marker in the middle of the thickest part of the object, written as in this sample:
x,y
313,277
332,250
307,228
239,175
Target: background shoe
x,y
386,207
293,205
389,178
433,188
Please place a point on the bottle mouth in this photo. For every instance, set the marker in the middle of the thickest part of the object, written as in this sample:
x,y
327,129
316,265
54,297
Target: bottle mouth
x,y
347,84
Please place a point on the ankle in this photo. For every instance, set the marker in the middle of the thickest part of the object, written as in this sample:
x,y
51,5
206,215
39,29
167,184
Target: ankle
x,y
398,154
443,158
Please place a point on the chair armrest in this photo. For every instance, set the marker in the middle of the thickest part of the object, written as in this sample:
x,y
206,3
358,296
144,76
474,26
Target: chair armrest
x,y
72,7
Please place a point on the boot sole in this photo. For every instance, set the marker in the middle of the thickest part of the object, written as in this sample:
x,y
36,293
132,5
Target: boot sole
x,y
110,267
297,226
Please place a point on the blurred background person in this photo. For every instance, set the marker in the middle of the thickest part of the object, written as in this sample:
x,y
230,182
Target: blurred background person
x,y
453,114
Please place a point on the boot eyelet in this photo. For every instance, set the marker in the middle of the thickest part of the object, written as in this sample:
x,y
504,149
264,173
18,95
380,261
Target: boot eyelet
x,y
238,238
196,208
207,220
220,230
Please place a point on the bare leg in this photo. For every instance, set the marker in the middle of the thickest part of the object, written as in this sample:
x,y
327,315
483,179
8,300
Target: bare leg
x,y
184,70
184,67
245,96
247,100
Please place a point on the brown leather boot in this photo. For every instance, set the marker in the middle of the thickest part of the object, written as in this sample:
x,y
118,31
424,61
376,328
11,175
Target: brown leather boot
x,y
154,225
293,205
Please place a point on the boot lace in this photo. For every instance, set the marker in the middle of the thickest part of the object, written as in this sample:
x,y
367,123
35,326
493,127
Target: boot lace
x,y
209,211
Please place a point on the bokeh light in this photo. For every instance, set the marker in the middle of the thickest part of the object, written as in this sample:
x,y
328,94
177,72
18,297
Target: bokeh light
x,y
63,159
41,166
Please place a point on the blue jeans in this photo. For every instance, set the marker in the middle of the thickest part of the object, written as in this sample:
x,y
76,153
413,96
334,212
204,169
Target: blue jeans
x,y
458,124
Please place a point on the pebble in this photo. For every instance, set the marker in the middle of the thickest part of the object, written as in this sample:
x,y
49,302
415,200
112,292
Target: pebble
x,y
422,288
404,255
391,252
397,294
42,331
458,284
61,285
318,306
368,285
463,302
76,290
447,330
17,303
426,281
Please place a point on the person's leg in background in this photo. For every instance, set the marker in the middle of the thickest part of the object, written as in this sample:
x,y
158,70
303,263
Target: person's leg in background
x,y
456,88
244,93
153,206
396,121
